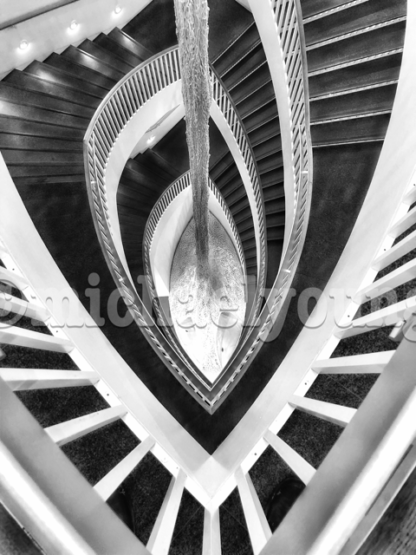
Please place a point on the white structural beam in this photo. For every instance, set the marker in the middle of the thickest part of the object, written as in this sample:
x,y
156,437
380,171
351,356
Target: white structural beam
x,y
47,494
394,253
388,316
12,335
300,467
73,429
371,363
404,223
394,279
12,278
337,414
19,379
258,527
162,533
12,304
111,481
211,544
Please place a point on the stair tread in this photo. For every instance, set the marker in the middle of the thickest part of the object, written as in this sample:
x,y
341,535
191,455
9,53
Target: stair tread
x,y
352,19
11,141
254,81
80,71
255,101
62,77
369,73
366,128
113,46
362,102
32,113
91,62
129,43
41,100
31,82
105,56
357,47
245,43
244,67
36,129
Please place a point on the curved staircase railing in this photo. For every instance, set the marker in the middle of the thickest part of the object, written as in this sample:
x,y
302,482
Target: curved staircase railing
x,y
125,99
115,111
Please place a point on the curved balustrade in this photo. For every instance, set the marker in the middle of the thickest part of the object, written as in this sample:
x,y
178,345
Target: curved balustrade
x,y
155,217
132,92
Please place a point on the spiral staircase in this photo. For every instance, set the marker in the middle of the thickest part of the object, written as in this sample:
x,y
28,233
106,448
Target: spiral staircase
x,y
199,482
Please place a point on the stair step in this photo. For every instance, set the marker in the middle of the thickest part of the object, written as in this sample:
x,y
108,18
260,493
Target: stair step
x,y
316,8
273,193
267,148
247,234
355,48
271,128
249,243
235,185
275,220
29,157
244,67
256,101
275,233
238,49
372,72
367,101
251,263
60,77
244,215
10,141
271,178
160,165
274,206
265,113
12,93
240,206
274,255
372,128
245,224
103,55
271,162
37,129
250,252
129,190
355,18
128,42
31,113
144,175
91,62
254,81
89,74
33,83
230,175
237,200
46,170
58,180
222,165
114,47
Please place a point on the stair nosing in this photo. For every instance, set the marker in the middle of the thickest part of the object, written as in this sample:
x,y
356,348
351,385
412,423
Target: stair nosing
x,y
355,33
346,92
248,75
352,117
240,59
215,60
331,11
356,61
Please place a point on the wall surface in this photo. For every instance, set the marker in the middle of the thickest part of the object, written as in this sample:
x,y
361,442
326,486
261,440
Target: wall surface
x,y
50,32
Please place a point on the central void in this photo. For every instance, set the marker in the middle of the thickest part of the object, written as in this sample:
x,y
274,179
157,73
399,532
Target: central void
x,y
209,343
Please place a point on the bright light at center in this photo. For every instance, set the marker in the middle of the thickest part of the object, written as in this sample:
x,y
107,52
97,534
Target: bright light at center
x,y
151,139
73,25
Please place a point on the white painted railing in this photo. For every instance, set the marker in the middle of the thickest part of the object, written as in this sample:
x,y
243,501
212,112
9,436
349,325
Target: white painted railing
x,y
120,105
